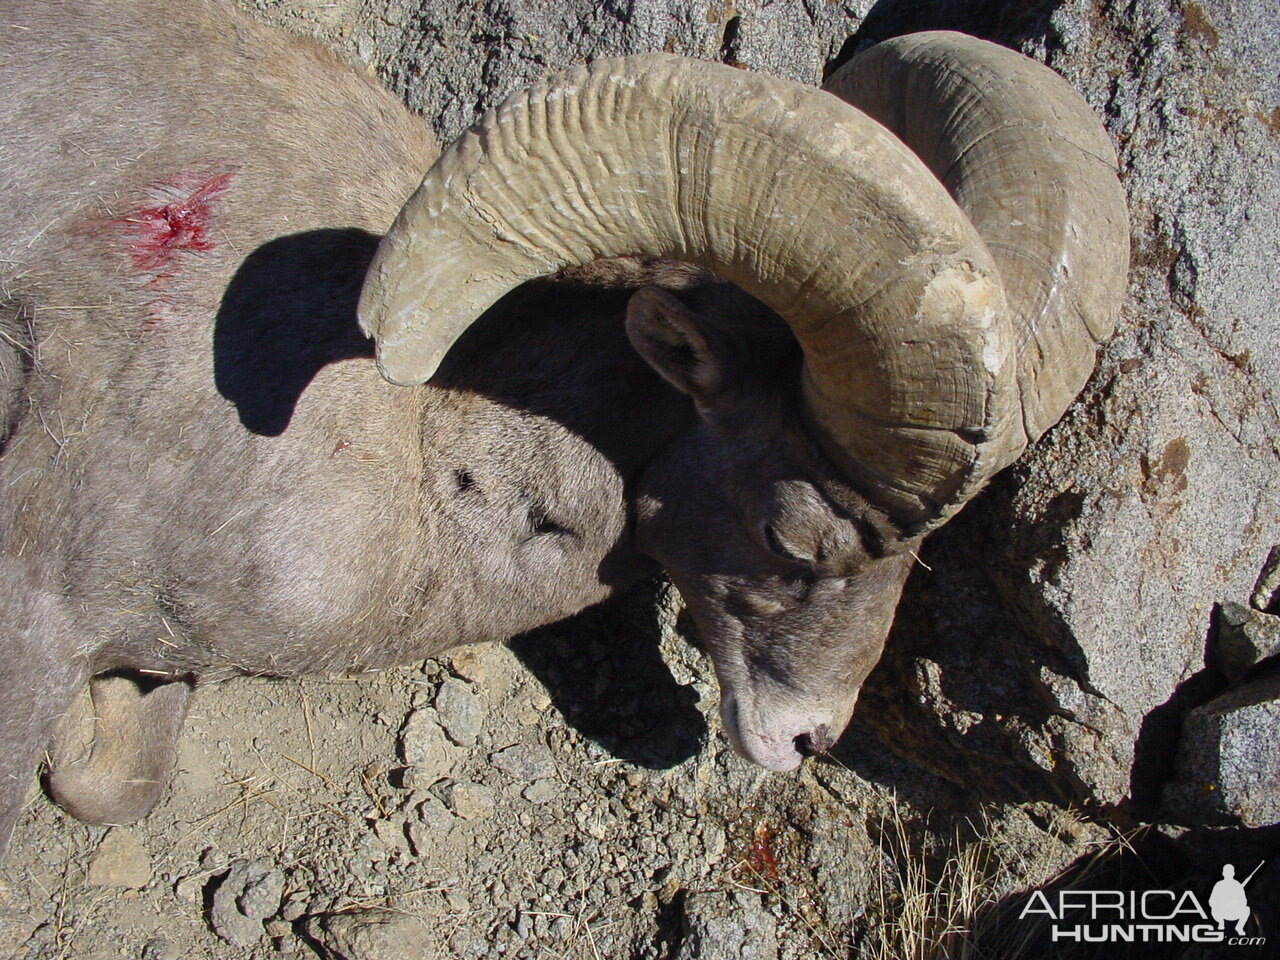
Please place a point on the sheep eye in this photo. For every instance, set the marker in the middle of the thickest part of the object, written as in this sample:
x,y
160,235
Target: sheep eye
x,y
776,544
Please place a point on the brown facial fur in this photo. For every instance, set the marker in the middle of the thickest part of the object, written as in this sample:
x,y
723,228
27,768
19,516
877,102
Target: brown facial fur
x,y
791,576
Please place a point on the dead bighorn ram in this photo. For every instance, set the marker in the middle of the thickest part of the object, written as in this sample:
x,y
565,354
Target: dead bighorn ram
x,y
204,473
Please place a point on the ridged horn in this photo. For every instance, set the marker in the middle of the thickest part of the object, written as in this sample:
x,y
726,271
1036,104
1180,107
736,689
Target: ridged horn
x,y
800,199
1028,162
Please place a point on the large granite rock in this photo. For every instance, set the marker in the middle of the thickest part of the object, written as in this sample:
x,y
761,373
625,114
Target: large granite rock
x,y
1244,639
1228,769
452,60
1112,540
1156,496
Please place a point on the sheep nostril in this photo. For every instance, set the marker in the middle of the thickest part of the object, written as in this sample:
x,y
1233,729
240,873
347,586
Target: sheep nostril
x,y
817,741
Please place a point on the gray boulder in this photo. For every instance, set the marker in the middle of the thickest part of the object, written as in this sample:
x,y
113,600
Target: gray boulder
x,y
1156,495
1244,639
1228,761
1110,542
451,61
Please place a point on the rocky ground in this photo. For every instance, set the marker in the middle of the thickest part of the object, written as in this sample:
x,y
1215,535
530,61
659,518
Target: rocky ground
x,y
567,796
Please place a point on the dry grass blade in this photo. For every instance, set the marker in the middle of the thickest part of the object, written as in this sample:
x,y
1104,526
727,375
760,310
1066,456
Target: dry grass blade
x,y
955,906
931,912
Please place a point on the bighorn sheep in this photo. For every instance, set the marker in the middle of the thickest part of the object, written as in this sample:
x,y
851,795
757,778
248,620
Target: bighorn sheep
x,y
198,447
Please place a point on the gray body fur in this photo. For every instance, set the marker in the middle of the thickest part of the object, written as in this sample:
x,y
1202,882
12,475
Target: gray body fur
x,y
203,473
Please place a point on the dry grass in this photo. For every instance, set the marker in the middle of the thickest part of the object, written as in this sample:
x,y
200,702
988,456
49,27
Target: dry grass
x,y
928,912
953,904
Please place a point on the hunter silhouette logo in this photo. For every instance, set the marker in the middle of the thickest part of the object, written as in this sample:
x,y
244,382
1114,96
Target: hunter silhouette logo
x,y
1148,916
1228,900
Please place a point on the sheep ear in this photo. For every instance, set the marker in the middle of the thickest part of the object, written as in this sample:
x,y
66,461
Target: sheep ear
x,y
669,337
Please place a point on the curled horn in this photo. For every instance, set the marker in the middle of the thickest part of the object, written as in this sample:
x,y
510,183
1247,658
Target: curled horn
x,y
1032,168
909,377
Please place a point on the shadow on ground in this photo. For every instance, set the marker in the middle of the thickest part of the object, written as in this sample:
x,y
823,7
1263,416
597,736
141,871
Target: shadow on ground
x,y
604,672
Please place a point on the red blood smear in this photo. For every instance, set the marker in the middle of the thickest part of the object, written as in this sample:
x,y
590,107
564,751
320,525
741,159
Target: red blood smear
x,y
761,859
158,233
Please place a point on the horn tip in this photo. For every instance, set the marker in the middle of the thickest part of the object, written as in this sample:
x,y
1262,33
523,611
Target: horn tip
x,y
405,369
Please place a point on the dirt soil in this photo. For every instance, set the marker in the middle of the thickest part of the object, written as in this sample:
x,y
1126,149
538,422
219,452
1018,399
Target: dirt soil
x,y
569,795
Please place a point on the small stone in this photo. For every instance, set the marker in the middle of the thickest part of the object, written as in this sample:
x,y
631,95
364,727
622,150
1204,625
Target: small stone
x,y
552,878
213,859
246,896
561,928
1244,639
592,822
294,908
421,839
423,743
433,815
525,761
277,929
471,801
372,935
262,892
158,949
457,902
727,926
525,713
1228,758
542,791
460,712
188,889
391,833
469,663
120,861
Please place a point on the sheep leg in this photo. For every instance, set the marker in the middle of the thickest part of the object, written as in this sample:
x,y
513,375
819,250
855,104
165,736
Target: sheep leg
x,y
114,750
39,675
